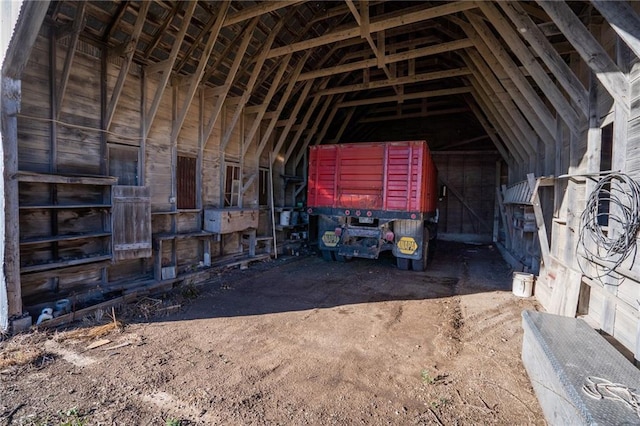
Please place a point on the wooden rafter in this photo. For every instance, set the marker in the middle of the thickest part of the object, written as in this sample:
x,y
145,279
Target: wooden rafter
x,y
213,26
515,75
506,87
500,122
421,114
406,96
362,18
250,85
167,66
418,78
293,117
202,63
283,100
522,52
260,9
381,24
623,19
312,131
503,100
124,68
388,59
489,130
594,55
248,34
265,103
161,29
78,23
545,50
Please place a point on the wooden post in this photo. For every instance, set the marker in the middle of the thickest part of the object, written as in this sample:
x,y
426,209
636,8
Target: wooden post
x,y
11,92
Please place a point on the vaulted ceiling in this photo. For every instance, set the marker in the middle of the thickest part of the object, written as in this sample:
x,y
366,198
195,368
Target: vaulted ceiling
x,y
464,75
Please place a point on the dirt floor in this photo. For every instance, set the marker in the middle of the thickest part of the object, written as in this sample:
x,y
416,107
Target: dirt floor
x,y
294,341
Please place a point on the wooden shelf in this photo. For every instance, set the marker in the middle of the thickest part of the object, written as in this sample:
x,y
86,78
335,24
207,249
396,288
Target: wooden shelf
x,y
64,263
66,206
54,238
66,179
182,236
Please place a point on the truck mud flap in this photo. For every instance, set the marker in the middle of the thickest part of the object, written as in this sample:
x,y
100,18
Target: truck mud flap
x,y
409,238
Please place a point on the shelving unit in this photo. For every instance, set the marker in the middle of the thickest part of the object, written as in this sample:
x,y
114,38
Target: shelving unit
x,y
294,231
64,220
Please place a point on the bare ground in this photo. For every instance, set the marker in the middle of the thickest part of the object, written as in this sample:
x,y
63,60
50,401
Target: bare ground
x,y
293,341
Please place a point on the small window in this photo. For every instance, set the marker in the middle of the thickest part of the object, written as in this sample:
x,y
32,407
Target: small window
x,y
123,164
606,158
232,185
186,182
263,187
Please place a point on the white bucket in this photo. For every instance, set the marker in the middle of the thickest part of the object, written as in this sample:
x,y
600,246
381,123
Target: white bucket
x,y
285,218
522,284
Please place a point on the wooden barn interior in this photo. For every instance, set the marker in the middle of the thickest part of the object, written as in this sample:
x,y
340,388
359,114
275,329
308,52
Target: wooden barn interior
x,y
147,143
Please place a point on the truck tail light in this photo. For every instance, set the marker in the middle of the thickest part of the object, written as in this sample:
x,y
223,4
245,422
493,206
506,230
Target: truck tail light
x,y
338,232
389,236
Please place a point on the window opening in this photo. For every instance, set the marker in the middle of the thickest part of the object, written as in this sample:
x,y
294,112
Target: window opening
x,y
186,182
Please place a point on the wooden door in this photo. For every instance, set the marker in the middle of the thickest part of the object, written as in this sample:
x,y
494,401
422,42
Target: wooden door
x,y
131,222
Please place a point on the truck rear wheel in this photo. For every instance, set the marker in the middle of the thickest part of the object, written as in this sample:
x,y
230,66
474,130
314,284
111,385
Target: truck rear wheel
x,y
402,263
421,264
328,255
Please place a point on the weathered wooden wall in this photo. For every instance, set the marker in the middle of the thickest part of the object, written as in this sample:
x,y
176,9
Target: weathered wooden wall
x,y
71,142
467,210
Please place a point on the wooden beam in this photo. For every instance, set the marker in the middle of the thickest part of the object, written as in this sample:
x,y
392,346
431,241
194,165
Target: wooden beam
x,y
25,33
10,95
202,63
537,210
318,137
283,101
124,68
406,96
267,99
623,19
545,50
344,125
421,114
491,133
160,31
539,108
365,32
248,35
251,83
293,117
418,78
167,67
302,128
594,55
493,70
388,59
385,22
501,122
574,122
503,100
78,24
312,131
258,10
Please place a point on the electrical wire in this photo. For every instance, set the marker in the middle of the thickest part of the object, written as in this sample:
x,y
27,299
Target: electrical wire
x,y
607,247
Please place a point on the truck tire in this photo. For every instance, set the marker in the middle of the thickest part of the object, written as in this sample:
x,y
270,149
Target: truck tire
x,y
328,255
403,263
421,264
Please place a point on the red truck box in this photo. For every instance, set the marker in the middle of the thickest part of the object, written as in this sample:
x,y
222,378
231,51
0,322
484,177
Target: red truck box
x,y
376,176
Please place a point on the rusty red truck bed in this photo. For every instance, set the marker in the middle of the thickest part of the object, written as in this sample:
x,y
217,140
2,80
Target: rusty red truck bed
x,y
372,176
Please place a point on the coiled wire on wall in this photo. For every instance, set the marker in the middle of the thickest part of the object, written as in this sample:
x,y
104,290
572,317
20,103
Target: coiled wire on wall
x,y
609,235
